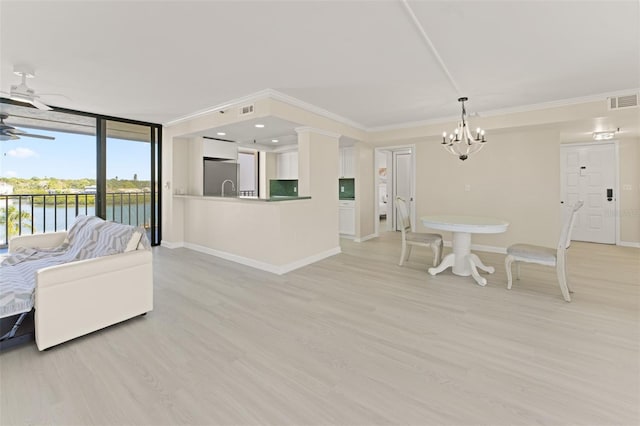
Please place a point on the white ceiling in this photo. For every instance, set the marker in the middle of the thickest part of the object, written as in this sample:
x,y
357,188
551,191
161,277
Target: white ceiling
x,y
366,61
246,133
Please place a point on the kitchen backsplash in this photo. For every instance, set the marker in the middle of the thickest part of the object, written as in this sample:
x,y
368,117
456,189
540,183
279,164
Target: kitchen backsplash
x,y
346,189
283,187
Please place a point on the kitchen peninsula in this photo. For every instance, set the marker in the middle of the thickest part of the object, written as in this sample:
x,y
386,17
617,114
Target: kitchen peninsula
x,y
275,198
277,234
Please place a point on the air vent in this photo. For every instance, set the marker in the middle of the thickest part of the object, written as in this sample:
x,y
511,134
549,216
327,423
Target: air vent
x,y
619,102
245,110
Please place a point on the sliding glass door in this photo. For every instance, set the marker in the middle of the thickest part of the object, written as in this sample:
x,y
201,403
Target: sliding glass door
x,y
77,163
131,176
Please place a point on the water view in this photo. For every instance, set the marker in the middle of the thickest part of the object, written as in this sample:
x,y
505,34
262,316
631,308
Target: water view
x,y
48,218
45,184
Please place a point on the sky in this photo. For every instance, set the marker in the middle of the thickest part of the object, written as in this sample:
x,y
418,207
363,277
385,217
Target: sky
x,y
71,156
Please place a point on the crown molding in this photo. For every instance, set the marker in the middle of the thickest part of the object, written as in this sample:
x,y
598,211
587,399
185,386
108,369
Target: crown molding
x,y
560,103
307,129
290,100
253,97
279,96
504,111
269,94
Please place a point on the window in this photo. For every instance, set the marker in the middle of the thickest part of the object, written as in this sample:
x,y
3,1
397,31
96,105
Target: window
x,y
248,173
95,165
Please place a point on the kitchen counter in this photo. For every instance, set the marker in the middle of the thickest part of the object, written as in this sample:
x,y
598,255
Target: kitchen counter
x,y
276,235
285,198
278,198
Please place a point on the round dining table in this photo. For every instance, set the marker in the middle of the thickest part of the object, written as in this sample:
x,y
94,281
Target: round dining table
x,y
461,260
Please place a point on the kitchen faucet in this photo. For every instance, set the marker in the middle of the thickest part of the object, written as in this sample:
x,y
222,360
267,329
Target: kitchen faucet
x,y
233,186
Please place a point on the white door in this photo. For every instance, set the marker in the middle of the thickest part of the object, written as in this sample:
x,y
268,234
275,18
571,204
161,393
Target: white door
x,y
588,173
402,176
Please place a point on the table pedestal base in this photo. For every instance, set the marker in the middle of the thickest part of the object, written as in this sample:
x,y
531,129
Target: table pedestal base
x,y
462,261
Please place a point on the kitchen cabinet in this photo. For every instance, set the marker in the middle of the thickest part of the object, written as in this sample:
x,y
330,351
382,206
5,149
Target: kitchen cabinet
x,y
287,165
347,162
218,149
347,217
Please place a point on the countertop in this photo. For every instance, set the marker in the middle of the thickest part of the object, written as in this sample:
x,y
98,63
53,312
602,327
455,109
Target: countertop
x,y
277,198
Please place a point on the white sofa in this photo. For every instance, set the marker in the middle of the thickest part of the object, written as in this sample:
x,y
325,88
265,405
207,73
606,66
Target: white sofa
x,y
77,298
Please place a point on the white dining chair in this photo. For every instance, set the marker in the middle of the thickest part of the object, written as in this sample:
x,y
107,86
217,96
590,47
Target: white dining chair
x,y
410,238
545,255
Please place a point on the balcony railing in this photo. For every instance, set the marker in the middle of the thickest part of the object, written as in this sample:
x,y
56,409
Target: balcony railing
x,y
40,213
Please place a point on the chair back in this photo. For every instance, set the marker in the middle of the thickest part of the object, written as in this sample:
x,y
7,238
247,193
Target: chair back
x,y
403,215
565,235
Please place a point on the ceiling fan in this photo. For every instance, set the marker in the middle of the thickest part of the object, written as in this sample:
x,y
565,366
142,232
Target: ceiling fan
x,y
11,133
22,92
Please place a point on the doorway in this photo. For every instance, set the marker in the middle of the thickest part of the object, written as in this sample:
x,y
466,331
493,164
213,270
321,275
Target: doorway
x,y
395,168
589,173
402,185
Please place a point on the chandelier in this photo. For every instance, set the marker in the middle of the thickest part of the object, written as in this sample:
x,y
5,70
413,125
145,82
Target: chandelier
x,y
461,142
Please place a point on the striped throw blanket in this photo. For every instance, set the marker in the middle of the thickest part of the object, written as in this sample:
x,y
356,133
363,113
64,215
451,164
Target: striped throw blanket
x,y
89,237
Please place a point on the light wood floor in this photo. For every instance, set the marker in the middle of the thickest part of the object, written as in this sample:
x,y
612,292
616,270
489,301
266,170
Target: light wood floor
x,y
354,340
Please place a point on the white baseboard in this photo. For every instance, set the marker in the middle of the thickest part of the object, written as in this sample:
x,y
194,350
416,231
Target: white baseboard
x,y
629,244
171,245
480,247
309,260
268,267
363,239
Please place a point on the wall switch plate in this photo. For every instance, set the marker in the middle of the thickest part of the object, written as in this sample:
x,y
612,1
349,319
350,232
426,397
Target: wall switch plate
x,y
467,187
627,187
342,189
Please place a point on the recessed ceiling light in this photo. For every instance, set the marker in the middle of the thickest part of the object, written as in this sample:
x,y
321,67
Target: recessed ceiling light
x,y
274,140
259,126
221,134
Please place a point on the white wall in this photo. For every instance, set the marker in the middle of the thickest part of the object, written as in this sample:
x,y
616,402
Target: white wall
x,y
276,236
516,175
515,178
629,151
365,182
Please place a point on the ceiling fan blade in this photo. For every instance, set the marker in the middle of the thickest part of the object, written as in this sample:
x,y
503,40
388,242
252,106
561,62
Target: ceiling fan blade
x,y
36,103
7,137
30,135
